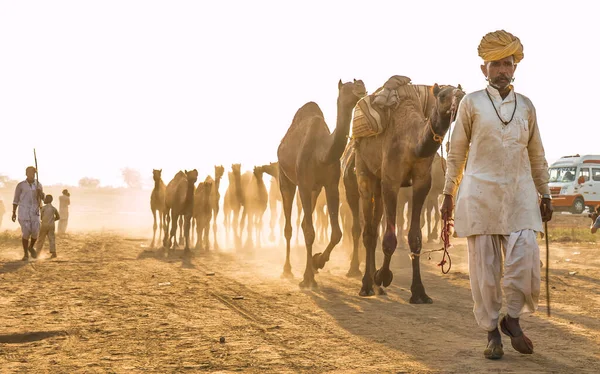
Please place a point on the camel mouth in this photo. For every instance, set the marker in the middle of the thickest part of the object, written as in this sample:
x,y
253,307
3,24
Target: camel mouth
x,y
360,94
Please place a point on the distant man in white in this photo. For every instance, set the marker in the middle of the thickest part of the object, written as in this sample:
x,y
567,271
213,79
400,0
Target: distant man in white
x,y
498,205
64,201
28,195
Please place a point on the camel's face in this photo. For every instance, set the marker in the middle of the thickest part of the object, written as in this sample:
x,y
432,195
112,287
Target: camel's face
x,y
448,98
351,92
156,174
358,89
192,175
219,171
236,168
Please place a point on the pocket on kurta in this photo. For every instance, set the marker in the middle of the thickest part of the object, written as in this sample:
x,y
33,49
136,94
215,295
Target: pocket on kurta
x,y
517,131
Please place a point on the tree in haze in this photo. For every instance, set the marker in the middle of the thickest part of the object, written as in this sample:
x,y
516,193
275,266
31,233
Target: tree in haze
x,y
88,182
6,182
132,178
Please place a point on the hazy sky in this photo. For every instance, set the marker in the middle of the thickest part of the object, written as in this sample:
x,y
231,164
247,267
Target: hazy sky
x,y
190,84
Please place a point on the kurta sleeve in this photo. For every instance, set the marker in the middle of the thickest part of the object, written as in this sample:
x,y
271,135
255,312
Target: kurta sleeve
x,y
459,148
17,198
537,157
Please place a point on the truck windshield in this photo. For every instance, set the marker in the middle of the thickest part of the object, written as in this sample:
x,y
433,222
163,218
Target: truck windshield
x,y
565,174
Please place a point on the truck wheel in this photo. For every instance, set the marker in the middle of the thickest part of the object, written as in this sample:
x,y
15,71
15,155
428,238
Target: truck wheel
x,y
578,206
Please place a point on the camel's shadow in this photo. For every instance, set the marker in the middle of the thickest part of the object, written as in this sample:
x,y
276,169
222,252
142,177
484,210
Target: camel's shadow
x,y
173,255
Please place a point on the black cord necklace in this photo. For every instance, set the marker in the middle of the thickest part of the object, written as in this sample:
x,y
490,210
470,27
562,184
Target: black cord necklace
x,y
496,110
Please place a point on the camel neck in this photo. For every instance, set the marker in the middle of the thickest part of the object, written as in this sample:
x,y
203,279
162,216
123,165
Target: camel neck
x,y
217,183
189,195
339,138
439,124
157,183
237,179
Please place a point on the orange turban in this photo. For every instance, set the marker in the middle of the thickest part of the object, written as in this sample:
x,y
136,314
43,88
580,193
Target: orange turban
x,y
500,44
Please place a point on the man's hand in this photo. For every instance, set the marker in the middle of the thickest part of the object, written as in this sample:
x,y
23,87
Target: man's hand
x,y
546,209
447,207
14,216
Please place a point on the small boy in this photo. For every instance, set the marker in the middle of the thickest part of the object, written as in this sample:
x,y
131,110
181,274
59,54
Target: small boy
x,y
49,215
595,216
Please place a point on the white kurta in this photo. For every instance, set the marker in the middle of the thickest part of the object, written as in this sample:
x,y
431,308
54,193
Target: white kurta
x,y
505,170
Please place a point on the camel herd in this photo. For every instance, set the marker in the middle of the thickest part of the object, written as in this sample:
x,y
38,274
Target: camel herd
x,y
377,176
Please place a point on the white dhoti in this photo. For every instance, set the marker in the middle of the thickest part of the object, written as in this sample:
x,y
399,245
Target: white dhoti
x,y
521,282
30,227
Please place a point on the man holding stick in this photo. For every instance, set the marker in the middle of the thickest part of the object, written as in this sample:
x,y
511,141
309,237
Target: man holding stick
x,y
28,195
500,185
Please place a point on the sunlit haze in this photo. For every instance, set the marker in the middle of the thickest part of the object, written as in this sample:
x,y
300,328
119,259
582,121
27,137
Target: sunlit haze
x,y
99,86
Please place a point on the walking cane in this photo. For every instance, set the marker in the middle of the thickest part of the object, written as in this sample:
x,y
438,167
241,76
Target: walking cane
x,y
547,270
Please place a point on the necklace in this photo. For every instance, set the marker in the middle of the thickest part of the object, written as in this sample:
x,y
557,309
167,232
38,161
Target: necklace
x,y
496,110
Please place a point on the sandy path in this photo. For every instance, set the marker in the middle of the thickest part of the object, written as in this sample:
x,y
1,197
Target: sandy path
x,y
102,306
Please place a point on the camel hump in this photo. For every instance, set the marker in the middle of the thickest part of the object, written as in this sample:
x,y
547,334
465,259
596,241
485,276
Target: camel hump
x,y
309,109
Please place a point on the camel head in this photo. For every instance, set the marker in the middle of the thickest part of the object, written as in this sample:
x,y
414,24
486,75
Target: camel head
x,y
272,169
156,174
192,176
235,168
219,171
447,99
351,92
258,172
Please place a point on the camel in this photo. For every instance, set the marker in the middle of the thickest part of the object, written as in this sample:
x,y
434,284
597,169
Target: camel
x,y
309,158
157,203
215,197
180,202
203,208
233,203
400,157
255,204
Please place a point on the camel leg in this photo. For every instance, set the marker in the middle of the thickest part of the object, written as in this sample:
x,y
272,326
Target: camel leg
x,y
333,201
206,236
173,233
369,188
288,191
437,215
162,224
193,231
281,226
166,235
154,227
250,230
272,220
187,223
298,217
198,229
181,229
400,221
306,197
421,188
214,226
353,199
226,222
236,230
384,275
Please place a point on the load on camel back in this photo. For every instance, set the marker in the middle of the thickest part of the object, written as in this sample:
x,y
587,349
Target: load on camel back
x,y
373,112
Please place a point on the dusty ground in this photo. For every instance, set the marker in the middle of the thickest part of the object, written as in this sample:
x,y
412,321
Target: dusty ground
x,y
110,304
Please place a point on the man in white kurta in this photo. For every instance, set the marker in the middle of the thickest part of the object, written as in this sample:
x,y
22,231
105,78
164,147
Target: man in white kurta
x,y
27,195
497,204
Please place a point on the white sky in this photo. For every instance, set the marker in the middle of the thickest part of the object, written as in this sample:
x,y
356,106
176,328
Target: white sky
x,y
190,84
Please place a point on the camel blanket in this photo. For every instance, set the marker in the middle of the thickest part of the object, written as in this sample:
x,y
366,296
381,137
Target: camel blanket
x,y
373,112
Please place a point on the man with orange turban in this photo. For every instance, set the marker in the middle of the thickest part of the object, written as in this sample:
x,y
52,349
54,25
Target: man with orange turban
x,y
501,183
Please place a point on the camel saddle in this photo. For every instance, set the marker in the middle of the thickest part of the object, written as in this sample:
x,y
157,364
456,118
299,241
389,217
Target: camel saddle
x,y
373,112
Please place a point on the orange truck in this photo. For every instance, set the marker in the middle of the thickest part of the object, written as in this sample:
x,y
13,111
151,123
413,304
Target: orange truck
x,y
575,183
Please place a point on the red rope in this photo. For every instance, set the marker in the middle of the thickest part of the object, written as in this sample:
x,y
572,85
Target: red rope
x,y
445,238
